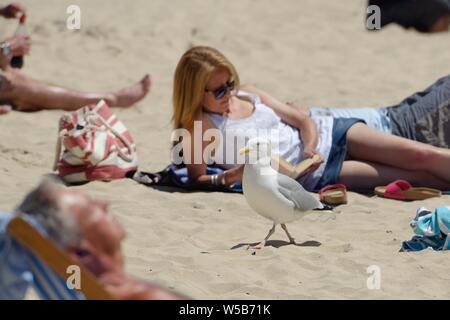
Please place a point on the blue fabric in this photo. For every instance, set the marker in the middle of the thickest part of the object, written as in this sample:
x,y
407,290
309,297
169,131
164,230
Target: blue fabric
x,y
338,151
15,275
177,176
432,230
20,269
180,178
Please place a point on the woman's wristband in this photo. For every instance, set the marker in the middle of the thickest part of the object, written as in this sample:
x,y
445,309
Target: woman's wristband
x,y
219,179
223,179
214,179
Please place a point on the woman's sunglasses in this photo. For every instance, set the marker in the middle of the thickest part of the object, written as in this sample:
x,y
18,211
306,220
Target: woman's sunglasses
x,y
220,92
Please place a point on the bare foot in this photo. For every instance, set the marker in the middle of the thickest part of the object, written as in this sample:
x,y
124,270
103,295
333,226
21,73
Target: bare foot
x,y
4,109
129,96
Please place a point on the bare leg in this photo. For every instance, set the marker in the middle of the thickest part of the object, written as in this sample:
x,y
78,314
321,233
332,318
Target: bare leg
x,y
357,175
32,95
370,145
291,239
263,243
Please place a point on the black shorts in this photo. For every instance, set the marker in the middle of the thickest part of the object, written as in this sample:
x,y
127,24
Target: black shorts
x,y
424,116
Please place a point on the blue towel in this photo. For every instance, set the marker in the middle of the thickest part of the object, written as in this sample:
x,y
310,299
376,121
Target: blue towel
x,y
177,176
432,230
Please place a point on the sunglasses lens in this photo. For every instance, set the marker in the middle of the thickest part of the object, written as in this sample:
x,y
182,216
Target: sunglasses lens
x,y
220,93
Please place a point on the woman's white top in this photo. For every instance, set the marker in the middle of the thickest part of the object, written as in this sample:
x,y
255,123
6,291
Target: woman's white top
x,y
376,118
264,122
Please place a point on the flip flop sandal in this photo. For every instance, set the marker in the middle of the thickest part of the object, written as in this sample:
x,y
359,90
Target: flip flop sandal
x,y
334,194
403,190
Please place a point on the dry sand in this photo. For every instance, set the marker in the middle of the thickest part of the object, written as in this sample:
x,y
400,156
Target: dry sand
x,y
313,51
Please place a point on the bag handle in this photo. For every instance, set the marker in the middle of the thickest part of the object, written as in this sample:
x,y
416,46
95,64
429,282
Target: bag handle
x,y
119,136
114,132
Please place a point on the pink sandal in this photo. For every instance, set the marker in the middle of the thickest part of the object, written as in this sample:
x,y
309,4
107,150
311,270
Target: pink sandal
x,y
334,194
403,190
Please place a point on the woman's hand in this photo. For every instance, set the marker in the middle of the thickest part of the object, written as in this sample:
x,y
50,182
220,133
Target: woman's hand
x,y
308,153
20,45
233,175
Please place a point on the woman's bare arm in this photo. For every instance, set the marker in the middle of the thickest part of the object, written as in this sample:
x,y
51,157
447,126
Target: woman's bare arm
x,y
197,171
293,116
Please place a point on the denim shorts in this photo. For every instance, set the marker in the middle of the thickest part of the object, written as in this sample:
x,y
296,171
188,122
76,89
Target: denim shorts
x,y
338,151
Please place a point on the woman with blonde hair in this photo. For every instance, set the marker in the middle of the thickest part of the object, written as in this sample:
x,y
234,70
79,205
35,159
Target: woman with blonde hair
x,y
208,95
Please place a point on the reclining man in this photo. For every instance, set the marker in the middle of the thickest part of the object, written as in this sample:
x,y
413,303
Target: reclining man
x,y
86,230
20,92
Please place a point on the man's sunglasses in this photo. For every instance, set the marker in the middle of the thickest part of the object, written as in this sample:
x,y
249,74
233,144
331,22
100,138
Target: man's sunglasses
x,y
220,92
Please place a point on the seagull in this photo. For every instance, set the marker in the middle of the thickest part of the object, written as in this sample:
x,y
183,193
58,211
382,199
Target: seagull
x,y
273,195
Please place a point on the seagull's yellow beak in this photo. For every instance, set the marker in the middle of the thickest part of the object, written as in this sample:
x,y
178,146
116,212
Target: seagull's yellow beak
x,y
245,150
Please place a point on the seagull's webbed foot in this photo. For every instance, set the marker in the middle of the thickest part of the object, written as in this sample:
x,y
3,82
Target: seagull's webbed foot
x,y
258,246
262,244
291,239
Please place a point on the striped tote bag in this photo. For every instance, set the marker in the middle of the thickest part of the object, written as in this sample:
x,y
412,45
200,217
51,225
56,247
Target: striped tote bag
x,y
93,144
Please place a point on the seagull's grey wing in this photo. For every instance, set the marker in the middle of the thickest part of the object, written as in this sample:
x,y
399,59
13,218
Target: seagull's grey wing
x,y
293,191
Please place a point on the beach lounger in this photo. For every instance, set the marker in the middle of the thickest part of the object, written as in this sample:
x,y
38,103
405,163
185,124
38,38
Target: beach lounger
x,y
49,265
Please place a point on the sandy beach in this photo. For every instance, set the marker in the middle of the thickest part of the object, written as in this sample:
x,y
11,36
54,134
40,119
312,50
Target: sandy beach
x,y
316,52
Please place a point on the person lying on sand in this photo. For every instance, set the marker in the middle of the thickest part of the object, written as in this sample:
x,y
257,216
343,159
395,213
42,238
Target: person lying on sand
x,y
427,16
84,227
420,117
207,90
21,92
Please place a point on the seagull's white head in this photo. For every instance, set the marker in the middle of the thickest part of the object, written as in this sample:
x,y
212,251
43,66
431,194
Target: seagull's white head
x,y
258,148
